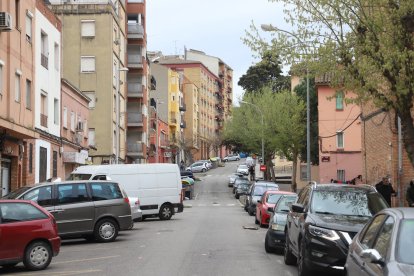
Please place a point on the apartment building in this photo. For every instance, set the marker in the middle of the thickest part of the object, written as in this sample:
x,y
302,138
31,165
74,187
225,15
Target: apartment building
x,y
74,138
191,145
159,130
340,140
138,84
94,60
17,100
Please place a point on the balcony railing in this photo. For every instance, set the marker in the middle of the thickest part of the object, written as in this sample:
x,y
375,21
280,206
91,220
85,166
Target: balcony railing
x,y
43,120
135,60
44,61
135,149
135,90
183,107
183,124
135,119
135,31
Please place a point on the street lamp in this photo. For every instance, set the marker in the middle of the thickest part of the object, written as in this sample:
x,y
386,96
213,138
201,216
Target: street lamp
x,y
117,114
258,108
157,102
270,28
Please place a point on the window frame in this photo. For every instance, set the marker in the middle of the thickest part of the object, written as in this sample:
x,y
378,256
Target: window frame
x,y
340,139
86,70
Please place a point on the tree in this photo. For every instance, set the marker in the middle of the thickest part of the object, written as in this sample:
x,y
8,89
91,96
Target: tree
x,y
264,73
283,128
300,90
362,46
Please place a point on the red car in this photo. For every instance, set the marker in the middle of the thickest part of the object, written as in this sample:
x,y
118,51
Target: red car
x,y
28,234
268,199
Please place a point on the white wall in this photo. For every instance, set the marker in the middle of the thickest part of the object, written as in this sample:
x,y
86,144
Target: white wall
x,y
47,80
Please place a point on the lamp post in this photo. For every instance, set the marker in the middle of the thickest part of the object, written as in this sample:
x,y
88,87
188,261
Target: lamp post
x,y
157,102
261,114
270,28
117,114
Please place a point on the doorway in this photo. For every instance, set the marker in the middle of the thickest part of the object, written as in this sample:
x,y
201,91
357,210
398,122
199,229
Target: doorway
x,y
5,176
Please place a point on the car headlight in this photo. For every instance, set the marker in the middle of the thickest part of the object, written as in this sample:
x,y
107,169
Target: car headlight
x,y
323,233
278,227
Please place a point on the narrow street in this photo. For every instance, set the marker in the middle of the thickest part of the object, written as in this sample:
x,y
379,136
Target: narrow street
x,y
208,238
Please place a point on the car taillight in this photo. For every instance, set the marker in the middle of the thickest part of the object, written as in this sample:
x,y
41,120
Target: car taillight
x,y
126,199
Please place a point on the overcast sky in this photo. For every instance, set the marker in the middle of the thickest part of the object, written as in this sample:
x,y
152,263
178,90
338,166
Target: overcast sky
x,y
212,26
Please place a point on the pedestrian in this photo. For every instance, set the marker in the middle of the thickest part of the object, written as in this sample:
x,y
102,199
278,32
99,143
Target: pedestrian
x,y
252,172
182,167
385,188
410,194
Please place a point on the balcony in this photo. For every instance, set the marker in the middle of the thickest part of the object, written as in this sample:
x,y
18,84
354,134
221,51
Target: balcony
x,y
135,31
44,61
135,149
135,119
173,118
43,120
135,90
183,107
183,124
135,61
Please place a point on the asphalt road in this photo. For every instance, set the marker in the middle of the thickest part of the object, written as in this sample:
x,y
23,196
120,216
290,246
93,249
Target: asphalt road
x,y
208,238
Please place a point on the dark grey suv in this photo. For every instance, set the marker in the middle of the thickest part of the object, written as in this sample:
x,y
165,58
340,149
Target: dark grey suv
x,y
322,223
91,209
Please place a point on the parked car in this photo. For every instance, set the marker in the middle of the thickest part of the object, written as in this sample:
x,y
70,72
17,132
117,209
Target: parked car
x,y
265,205
275,235
136,212
323,221
255,193
91,209
239,181
242,189
231,157
384,246
197,167
209,165
243,169
187,174
28,234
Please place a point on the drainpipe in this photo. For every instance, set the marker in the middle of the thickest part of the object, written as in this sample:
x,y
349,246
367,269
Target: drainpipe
x,y
400,166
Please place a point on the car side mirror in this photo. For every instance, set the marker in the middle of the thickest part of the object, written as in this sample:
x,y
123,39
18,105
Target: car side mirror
x,y
259,201
373,256
270,209
297,208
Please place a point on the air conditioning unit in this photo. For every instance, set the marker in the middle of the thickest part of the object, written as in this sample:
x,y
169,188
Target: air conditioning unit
x,y
79,127
5,21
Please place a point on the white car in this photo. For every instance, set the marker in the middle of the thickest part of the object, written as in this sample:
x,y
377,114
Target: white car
x,y
208,163
243,169
231,157
197,167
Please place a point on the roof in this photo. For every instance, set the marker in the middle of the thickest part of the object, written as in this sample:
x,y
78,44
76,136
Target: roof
x,y
331,186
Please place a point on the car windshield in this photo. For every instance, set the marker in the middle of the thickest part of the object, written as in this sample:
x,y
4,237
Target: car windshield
x,y
283,205
79,176
347,202
240,181
17,192
242,167
259,190
273,198
405,246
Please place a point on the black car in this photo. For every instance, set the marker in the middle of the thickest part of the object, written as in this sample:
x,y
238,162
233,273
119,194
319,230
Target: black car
x,y
275,235
239,181
255,193
187,174
242,189
322,223
384,246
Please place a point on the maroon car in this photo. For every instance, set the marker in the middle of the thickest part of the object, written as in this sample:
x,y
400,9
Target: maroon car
x,y
28,234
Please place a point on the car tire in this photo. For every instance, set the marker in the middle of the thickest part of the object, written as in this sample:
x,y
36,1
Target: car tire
x,y
249,210
203,170
237,159
267,245
106,230
245,207
256,221
288,257
237,196
303,268
37,256
166,212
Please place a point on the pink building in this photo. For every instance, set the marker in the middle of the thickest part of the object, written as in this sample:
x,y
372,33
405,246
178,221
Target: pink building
x,y
74,126
340,156
164,151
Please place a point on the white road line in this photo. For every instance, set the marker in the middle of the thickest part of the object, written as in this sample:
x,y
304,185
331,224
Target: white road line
x,y
85,260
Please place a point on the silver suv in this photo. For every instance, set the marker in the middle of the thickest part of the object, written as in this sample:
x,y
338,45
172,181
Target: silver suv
x,y
91,209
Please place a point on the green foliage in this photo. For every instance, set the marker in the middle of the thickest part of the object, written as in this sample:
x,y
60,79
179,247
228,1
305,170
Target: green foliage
x,y
267,72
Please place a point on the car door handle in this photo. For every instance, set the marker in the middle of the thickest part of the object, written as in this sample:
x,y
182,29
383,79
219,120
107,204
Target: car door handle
x,y
57,211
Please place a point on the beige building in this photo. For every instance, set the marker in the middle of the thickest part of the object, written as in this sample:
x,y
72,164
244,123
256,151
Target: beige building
x,y
94,59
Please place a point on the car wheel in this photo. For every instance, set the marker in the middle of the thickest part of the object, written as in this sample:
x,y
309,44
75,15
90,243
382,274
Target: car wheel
x,y
166,212
203,170
303,269
37,256
289,258
267,245
245,207
237,196
237,159
249,210
106,230
256,221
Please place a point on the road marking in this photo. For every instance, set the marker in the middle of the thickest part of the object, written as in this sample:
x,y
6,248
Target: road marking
x,y
231,204
61,273
85,260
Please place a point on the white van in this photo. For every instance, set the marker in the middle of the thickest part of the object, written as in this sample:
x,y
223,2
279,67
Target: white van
x,y
158,186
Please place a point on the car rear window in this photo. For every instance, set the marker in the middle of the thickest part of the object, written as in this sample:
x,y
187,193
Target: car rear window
x,y
15,212
79,176
105,191
273,198
405,246
72,193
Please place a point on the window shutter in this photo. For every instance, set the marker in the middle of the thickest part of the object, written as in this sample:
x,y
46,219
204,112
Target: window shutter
x,y
88,64
88,28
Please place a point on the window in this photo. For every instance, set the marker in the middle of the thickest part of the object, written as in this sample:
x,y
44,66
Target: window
x,y
72,121
368,237
339,100
91,136
56,112
340,175
88,28
72,193
44,55
28,94
55,157
17,15
91,96
29,17
41,195
340,139
87,64
15,212
384,237
57,56
17,87
43,109
65,117
30,158
105,191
